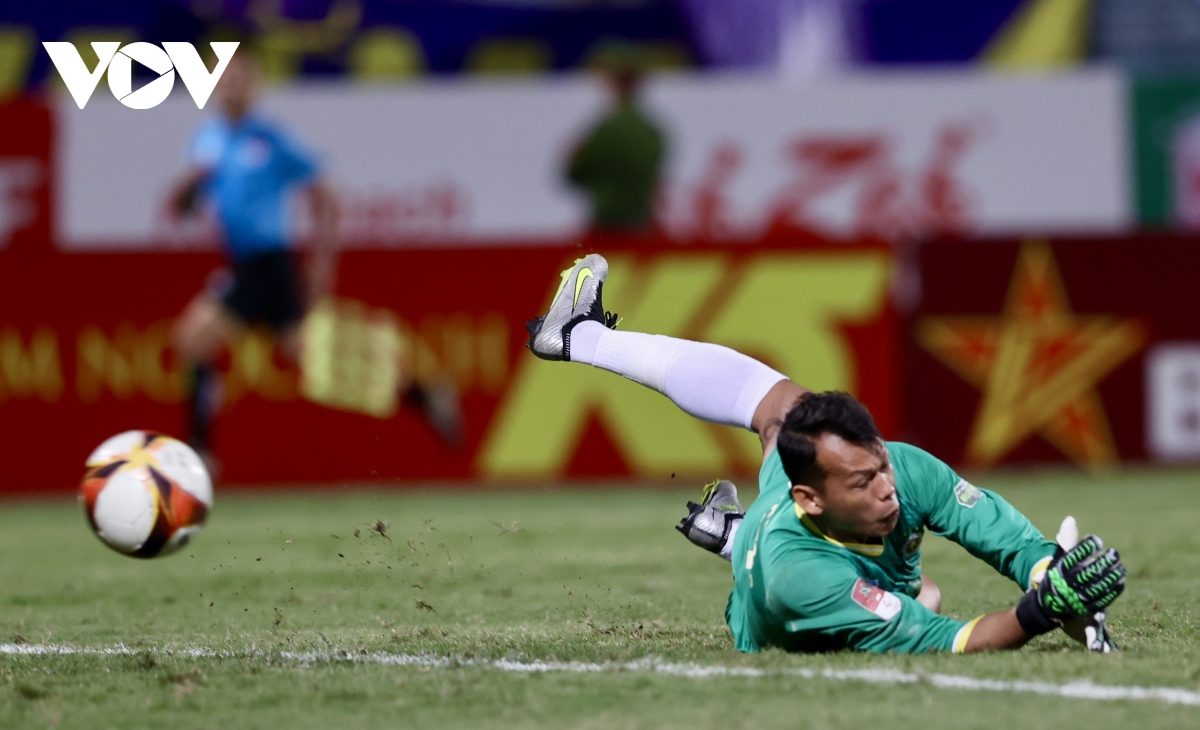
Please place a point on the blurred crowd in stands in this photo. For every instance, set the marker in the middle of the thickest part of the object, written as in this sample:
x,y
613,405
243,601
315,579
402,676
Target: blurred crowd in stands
x,y
395,40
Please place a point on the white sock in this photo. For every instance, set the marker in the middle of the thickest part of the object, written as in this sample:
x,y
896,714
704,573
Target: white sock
x,y
727,548
710,382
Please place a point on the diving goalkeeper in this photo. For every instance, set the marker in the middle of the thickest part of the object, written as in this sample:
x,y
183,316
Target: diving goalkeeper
x,y
829,555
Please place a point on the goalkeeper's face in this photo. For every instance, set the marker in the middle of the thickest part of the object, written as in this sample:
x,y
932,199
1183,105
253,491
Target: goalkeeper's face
x,y
858,493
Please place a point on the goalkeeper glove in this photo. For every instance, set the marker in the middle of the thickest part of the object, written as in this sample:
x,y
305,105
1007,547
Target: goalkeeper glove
x,y
1092,630
1080,582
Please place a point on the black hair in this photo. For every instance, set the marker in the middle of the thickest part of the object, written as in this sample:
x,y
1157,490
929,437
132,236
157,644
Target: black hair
x,y
815,414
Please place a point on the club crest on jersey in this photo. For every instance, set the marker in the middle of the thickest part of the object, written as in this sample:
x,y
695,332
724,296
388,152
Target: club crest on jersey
x,y
966,493
876,600
913,543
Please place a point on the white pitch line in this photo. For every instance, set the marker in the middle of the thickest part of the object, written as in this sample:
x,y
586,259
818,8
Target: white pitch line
x,y
1081,689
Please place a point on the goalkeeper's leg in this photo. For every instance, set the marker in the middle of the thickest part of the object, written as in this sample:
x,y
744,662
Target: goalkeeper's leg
x,y
710,382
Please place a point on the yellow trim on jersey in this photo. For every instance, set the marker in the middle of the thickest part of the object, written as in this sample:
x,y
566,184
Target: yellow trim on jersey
x,y
964,635
870,550
1038,571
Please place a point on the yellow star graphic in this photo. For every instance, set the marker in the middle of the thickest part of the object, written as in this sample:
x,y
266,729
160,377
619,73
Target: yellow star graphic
x,y
1037,364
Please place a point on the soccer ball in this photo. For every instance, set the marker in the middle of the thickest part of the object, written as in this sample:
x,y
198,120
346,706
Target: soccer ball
x,y
145,494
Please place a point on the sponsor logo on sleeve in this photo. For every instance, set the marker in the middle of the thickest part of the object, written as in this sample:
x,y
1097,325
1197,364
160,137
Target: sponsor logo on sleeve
x,y
876,600
966,493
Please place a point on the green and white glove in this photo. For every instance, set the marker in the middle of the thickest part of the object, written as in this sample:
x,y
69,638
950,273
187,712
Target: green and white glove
x,y
1091,630
1080,582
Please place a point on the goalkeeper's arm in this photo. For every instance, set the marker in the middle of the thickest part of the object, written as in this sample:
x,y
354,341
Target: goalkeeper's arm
x,y
1078,583
1000,630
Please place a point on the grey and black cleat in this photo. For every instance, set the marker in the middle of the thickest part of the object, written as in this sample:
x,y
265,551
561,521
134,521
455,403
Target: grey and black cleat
x,y
709,523
577,300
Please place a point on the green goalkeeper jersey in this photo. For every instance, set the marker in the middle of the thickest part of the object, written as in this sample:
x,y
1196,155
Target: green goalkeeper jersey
x,y
797,589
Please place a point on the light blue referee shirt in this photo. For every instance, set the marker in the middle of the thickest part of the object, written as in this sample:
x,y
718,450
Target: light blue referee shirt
x,y
254,167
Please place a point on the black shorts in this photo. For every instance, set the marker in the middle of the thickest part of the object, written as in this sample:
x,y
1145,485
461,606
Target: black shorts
x,y
264,290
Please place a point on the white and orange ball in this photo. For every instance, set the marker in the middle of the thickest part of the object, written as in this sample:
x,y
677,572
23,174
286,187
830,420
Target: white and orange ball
x,y
145,494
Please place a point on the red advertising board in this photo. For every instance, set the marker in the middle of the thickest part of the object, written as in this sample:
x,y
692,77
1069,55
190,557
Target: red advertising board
x,y
1065,350
85,353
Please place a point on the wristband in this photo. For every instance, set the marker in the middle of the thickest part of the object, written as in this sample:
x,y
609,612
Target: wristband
x,y
1033,620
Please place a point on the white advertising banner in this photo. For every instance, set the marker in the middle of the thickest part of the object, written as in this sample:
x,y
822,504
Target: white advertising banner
x,y
473,161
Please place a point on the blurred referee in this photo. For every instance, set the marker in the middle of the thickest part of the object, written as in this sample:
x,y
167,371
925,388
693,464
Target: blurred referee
x,y
246,169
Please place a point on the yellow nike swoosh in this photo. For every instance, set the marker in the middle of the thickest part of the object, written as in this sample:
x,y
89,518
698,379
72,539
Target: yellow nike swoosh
x,y
584,273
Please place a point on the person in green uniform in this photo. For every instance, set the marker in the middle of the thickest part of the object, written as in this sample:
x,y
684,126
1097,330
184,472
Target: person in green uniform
x,y
618,162
828,557
798,587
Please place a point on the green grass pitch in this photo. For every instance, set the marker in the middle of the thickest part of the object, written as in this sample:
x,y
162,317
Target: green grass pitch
x,y
272,617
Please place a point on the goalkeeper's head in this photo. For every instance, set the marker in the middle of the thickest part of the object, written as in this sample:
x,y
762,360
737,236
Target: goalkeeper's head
x,y
838,466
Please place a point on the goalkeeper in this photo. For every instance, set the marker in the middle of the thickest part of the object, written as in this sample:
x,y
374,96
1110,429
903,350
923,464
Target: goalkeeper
x,y
828,557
